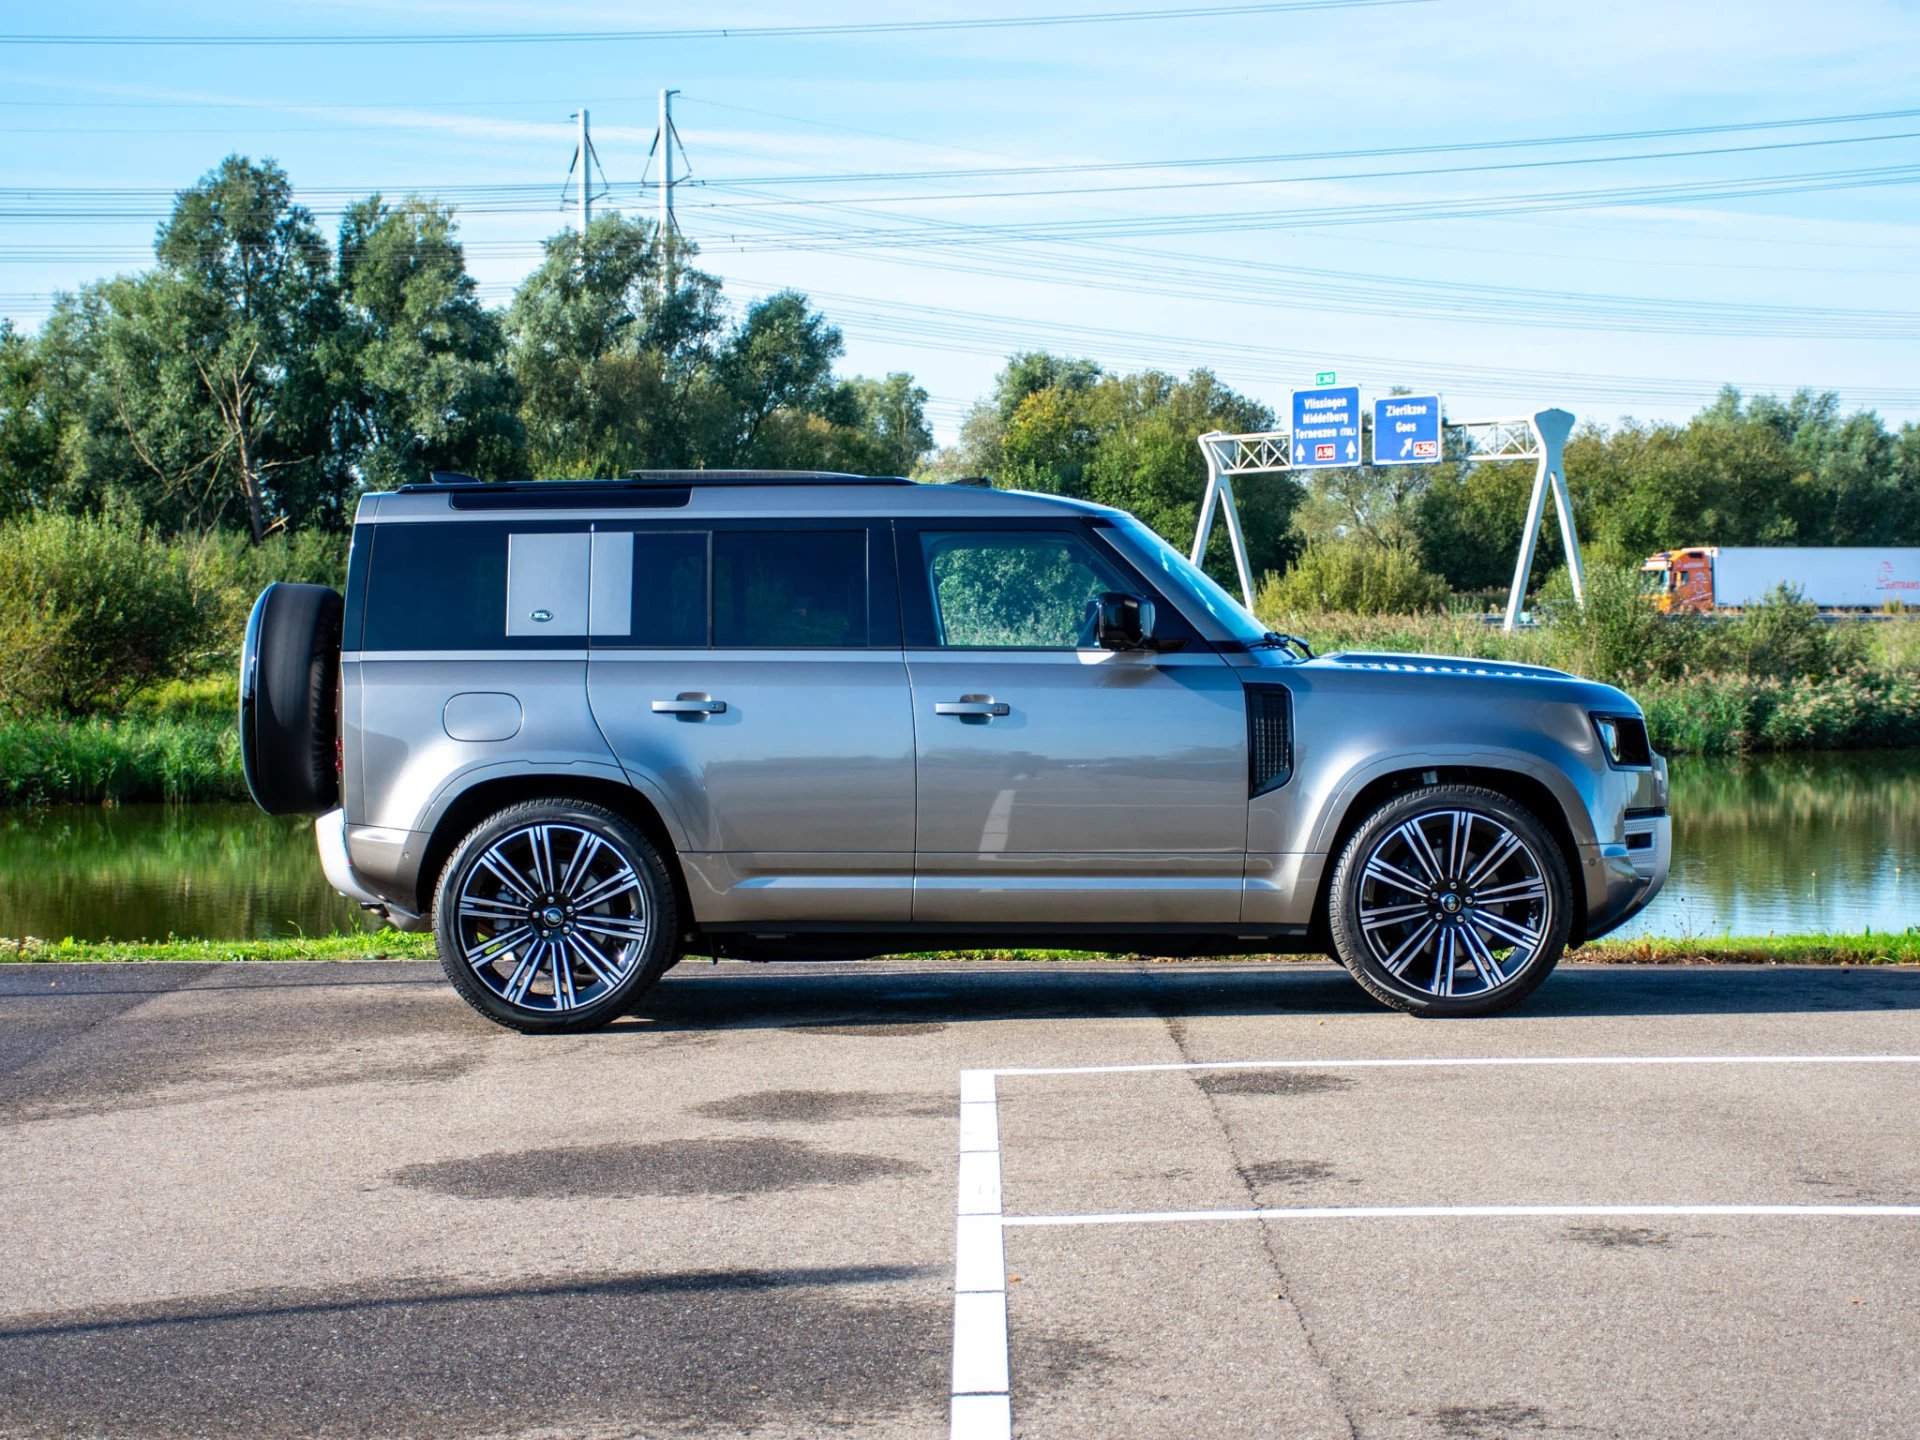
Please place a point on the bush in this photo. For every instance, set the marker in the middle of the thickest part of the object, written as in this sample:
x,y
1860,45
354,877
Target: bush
x,y
1617,636
1356,577
90,610
228,572
1784,637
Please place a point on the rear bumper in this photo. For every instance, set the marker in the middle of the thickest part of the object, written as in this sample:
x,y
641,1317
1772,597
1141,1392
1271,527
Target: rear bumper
x,y
330,834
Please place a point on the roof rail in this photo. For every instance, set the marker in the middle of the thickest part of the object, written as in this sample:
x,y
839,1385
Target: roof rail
x,y
760,477
645,481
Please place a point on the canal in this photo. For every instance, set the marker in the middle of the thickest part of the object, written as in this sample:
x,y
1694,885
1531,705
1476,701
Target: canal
x,y
1781,845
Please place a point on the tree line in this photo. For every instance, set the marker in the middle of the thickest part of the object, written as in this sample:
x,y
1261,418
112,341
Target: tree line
x,y
259,375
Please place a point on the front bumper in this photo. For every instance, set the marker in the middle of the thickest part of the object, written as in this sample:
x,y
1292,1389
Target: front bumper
x,y
330,834
1622,879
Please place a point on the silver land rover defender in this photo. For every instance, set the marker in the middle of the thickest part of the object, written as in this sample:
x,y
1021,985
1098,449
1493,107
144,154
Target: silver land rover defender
x,y
579,728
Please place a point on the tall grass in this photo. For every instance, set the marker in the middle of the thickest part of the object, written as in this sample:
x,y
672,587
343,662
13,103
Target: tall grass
x,y
48,761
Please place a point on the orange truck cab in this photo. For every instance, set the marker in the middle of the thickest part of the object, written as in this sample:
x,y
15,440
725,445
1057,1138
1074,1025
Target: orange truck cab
x,y
1680,579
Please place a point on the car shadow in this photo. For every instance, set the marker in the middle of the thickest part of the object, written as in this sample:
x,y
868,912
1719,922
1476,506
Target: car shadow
x,y
879,996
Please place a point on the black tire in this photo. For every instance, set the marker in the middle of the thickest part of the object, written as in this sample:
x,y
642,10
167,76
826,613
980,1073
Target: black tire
x,y
477,910
1378,919
289,699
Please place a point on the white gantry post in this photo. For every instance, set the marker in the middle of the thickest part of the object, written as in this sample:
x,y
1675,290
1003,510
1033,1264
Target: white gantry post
x,y
1550,431
1226,457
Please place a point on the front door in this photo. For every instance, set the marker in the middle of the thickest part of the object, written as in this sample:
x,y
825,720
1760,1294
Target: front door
x,y
1060,782
753,678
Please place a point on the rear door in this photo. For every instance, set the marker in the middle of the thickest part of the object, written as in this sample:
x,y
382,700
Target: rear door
x,y
752,673
1059,782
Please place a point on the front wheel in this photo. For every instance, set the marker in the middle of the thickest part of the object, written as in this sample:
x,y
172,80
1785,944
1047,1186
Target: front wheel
x,y
555,915
1451,900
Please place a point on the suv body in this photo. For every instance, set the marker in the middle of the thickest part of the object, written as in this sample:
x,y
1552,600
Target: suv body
x,y
855,715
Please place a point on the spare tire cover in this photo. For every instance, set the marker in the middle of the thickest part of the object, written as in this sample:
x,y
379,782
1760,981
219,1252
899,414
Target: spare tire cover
x,y
289,689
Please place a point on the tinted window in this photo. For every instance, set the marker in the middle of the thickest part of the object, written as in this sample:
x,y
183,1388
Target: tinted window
x,y
1019,589
669,590
438,587
790,590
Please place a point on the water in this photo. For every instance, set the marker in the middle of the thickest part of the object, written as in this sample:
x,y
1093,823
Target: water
x,y
1792,844
143,872
1781,845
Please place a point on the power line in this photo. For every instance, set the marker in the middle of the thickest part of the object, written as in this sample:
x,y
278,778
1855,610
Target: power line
x,y
1244,182
737,32
1309,156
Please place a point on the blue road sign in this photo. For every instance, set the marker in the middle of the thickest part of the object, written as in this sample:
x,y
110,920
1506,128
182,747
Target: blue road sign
x,y
1406,430
1326,427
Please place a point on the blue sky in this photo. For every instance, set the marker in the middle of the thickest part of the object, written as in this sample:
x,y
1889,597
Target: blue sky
x,y
1573,299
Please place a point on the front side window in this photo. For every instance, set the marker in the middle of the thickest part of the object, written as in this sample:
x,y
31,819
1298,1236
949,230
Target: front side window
x,y
1015,589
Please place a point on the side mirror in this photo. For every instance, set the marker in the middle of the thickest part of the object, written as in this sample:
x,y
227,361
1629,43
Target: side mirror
x,y
1123,622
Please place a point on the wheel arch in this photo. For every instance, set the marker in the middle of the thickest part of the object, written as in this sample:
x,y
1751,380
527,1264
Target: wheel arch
x,y
464,811
1525,790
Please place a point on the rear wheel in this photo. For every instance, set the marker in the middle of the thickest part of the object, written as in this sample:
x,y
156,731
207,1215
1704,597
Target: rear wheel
x,y
555,915
1451,900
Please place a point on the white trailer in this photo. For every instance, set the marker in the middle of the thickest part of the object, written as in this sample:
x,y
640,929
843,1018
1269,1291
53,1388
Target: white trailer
x,y
1728,577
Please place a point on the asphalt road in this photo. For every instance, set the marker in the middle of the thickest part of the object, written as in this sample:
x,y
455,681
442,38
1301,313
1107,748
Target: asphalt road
x,y
329,1201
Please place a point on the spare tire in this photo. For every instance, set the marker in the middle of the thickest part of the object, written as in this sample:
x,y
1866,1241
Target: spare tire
x,y
289,699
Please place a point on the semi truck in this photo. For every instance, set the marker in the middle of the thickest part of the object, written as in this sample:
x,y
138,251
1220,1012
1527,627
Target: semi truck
x,y
1703,578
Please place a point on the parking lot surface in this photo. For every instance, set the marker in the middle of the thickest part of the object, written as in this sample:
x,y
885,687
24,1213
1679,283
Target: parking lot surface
x,y
328,1200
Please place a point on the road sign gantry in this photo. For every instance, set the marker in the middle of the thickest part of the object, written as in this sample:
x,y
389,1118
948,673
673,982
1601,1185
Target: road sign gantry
x,y
1540,437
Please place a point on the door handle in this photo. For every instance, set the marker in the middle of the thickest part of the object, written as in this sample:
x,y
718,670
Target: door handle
x,y
975,707
690,705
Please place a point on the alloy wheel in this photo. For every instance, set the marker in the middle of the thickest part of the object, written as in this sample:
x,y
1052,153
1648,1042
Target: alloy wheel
x,y
1454,903
551,917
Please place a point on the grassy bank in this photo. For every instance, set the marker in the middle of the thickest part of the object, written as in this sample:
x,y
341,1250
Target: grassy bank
x,y
125,758
1900,949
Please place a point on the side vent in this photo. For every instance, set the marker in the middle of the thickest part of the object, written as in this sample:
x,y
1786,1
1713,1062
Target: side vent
x,y
1269,738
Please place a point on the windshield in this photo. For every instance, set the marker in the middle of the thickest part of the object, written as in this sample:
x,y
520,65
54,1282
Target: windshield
x,y
1181,575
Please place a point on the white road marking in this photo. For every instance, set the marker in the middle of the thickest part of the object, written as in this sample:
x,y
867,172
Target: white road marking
x,y
982,1408
981,1402
982,1417
1451,1212
1462,1062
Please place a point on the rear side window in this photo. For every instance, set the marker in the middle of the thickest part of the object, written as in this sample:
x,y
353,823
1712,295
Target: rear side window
x,y
476,585
734,589
437,587
803,589
669,589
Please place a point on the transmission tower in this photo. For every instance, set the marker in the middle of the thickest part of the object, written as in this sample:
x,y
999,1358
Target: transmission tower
x,y
665,140
579,170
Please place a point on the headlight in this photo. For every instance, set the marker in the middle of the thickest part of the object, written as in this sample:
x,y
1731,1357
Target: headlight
x,y
1624,738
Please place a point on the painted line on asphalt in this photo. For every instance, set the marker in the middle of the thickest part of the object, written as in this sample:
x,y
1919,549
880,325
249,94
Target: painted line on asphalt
x,y
982,1407
1452,1212
1463,1062
981,1402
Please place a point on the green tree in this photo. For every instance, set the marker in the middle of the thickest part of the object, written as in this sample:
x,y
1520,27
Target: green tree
x,y
432,389
611,343
29,435
1132,441
209,388
892,417
776,370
